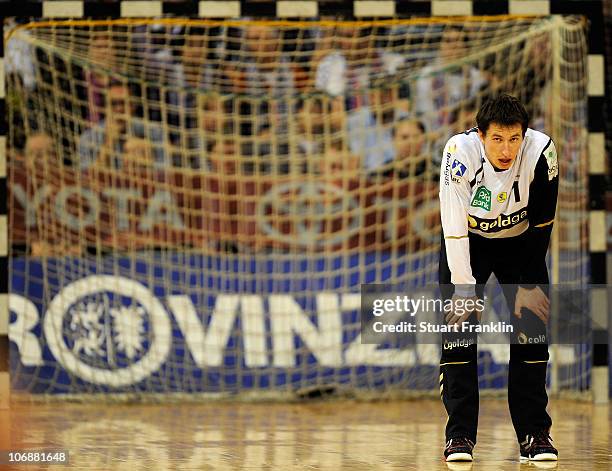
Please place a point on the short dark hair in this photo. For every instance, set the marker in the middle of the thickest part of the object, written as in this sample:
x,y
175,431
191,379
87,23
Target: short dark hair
x,y
504,110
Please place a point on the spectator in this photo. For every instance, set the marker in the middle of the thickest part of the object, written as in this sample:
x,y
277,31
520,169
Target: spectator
x,y
260,66
215,120
268,79
215,111
199,69
444,84
466,116
352,63
316,118
540,92
102,57
106,143
369,139
40,152
224,158
47,238
337,162
201,59
323,118
410,147
20,57
403,103
390,101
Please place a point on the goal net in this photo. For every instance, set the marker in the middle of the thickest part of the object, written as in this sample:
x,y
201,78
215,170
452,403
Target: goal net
x,y
194,205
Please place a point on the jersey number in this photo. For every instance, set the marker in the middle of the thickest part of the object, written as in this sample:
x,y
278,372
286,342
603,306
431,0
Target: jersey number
x,y
515,189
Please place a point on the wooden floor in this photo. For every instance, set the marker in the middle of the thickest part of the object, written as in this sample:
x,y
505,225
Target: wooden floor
x,y
347,435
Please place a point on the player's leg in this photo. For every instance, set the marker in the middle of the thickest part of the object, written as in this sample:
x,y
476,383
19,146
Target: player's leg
x,y
458,364
527,395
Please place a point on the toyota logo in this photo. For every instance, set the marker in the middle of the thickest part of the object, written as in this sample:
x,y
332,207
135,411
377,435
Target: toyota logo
x,y
311,214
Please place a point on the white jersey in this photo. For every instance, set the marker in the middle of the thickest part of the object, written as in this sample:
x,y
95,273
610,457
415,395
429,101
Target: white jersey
x,y
477,198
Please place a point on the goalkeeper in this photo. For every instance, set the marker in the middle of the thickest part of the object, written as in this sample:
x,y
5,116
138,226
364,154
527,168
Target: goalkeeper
x,y
498,193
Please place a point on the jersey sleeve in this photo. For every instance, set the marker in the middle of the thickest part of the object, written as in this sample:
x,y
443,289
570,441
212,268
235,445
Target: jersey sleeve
x,y
541,210
455,192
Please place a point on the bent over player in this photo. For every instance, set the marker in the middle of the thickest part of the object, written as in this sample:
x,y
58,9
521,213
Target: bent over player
x,y
498,193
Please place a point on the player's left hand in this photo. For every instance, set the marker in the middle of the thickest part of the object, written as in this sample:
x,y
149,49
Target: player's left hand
x,y
533,299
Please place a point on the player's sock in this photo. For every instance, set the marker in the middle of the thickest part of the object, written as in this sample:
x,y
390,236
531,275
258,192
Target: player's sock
x,y
538,446
459,449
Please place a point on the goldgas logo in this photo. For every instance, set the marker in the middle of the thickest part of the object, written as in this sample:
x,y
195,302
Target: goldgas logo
x,y
553,166
457,171
482,198
500,223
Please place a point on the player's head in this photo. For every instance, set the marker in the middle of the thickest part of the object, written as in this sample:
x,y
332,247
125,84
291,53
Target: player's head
x,y
502,123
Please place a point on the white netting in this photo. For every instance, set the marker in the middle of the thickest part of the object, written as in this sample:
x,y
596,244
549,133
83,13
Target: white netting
x,y
251,175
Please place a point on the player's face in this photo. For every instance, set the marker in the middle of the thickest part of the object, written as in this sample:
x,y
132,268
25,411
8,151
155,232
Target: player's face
x,y
502,144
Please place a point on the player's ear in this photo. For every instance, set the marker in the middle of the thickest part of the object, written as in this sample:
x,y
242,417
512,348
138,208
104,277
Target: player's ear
x,y
481,135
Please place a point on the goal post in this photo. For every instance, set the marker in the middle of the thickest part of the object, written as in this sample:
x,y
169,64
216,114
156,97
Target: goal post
x,y
195,204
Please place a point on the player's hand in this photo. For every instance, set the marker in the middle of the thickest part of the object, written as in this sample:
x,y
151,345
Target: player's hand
x,y
533,299
461,309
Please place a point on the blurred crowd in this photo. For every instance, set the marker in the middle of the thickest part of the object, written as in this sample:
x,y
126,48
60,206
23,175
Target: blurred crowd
x,y
260,99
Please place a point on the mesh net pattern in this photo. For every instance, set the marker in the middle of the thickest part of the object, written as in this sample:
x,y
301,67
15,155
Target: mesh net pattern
x,y
194,204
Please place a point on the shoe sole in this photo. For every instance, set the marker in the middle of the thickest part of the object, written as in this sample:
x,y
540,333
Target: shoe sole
x,y
459,457
540,457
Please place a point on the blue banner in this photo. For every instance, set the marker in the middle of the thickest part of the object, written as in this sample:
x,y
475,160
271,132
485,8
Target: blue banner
x,y
171,322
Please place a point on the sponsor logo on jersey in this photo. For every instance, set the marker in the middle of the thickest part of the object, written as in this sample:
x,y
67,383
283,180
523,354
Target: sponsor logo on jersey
x,y
553,166
523,338
482,198
447,168
502,222
458,343
503,196
457,171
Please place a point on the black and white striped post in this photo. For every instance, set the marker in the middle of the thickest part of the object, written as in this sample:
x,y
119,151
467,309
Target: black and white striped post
x,y
4,265
600,377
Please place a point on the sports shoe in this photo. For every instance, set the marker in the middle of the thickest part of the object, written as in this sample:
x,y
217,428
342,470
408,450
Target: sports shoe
x,y
465,465
538,446
459,449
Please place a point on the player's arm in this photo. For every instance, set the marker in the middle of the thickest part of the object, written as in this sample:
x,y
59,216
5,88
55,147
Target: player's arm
x,y
455,192
541,210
